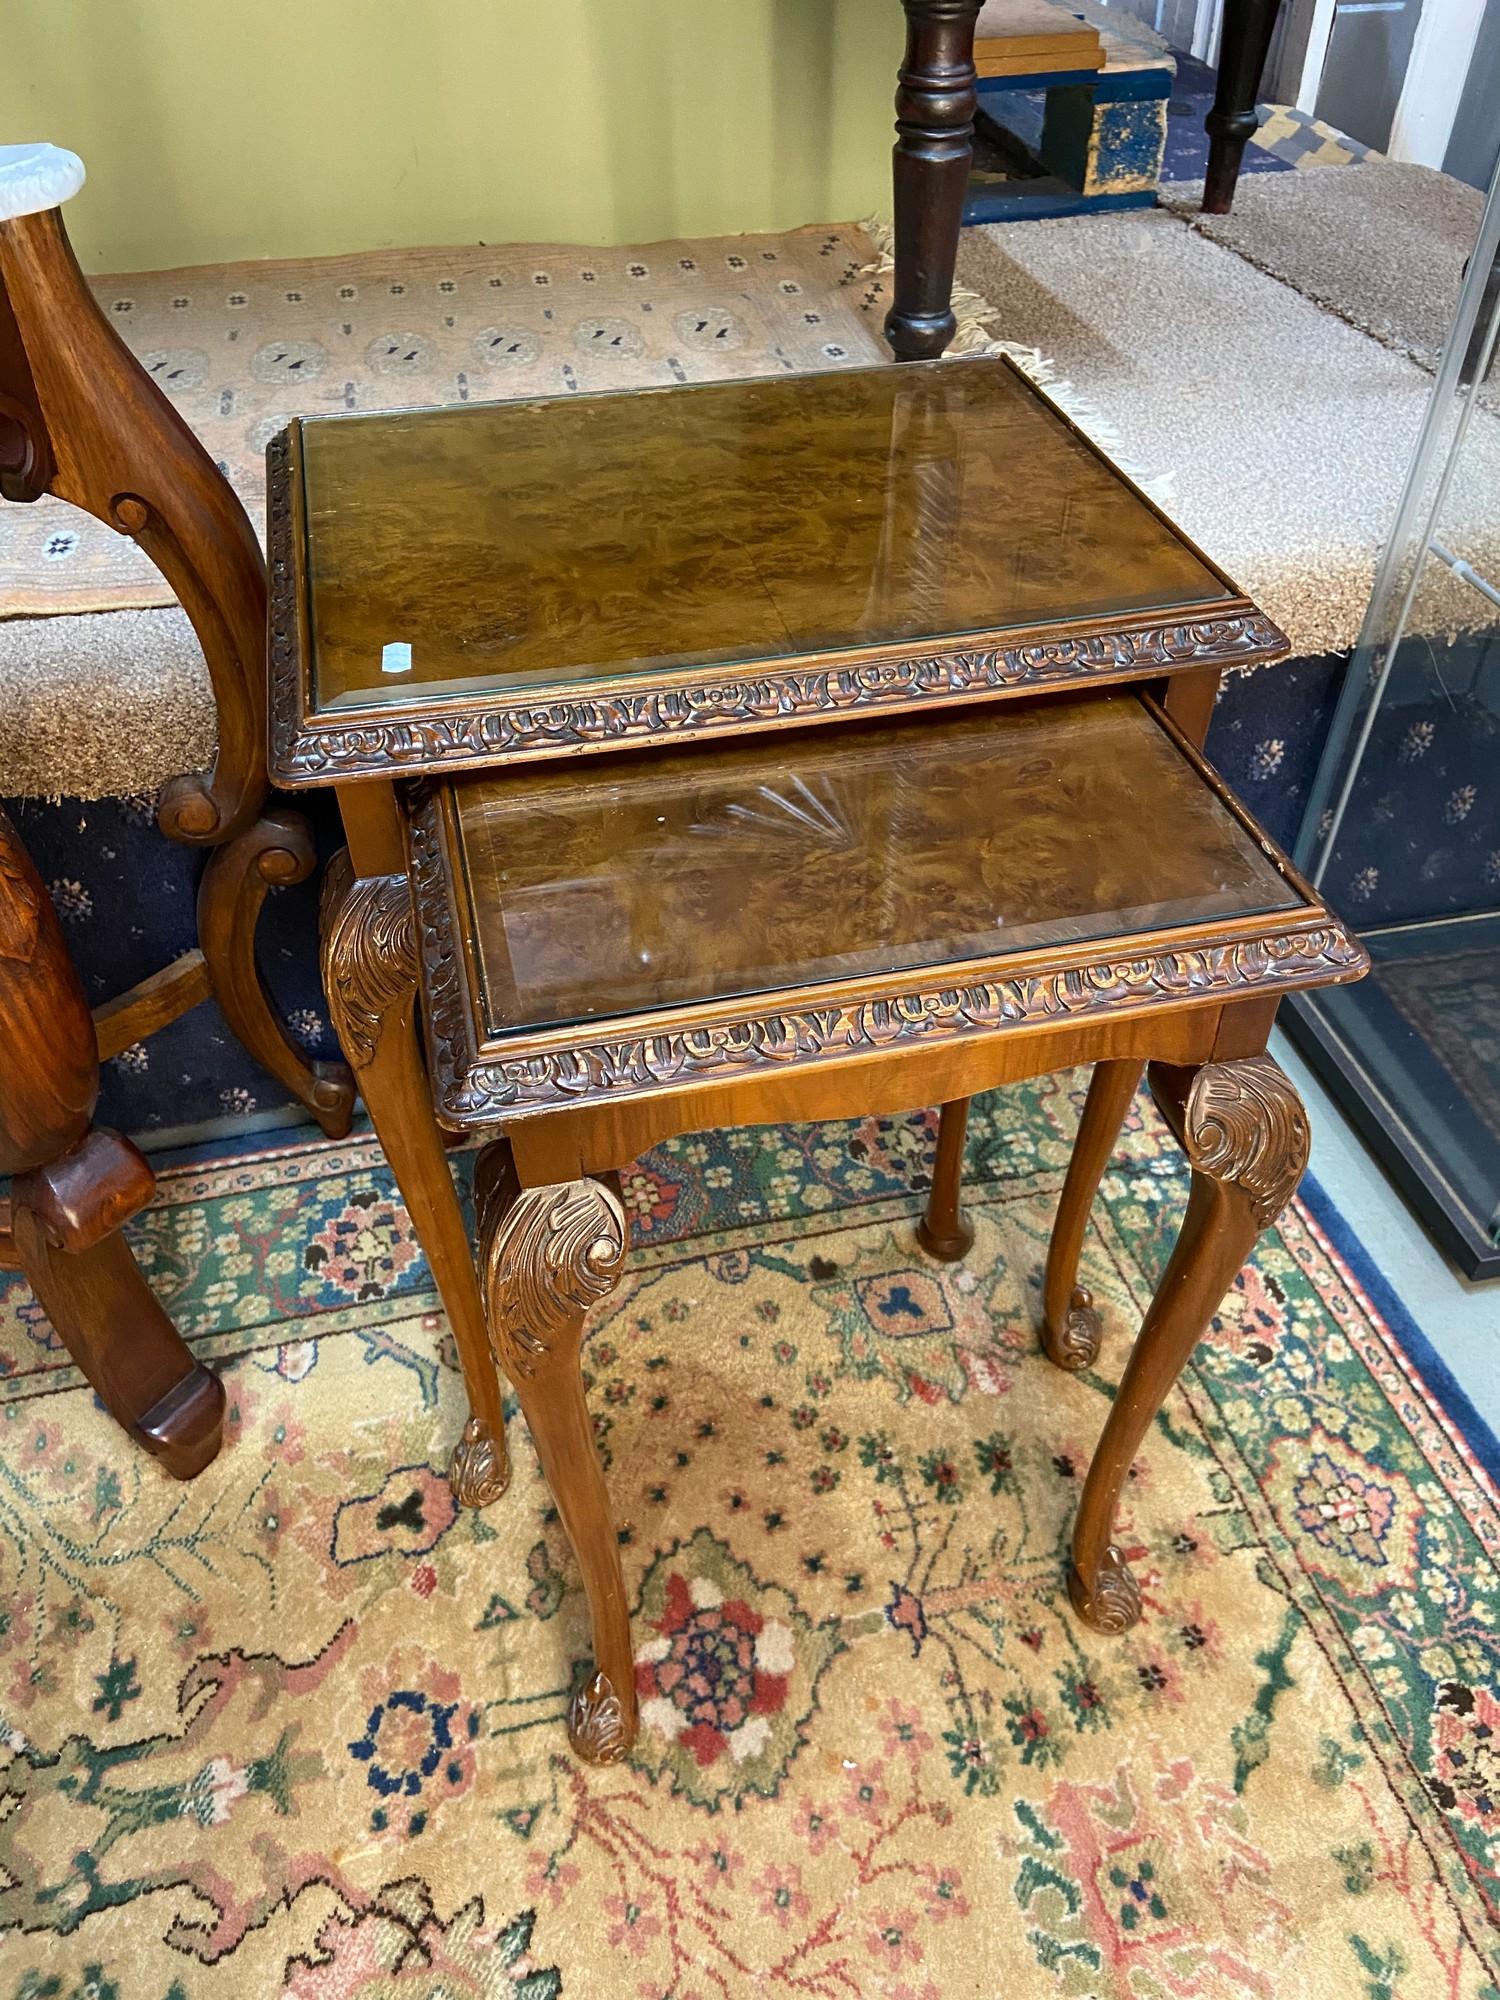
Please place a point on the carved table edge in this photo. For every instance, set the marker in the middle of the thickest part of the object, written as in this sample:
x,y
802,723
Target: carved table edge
x,y
474,1090
452,735
307,751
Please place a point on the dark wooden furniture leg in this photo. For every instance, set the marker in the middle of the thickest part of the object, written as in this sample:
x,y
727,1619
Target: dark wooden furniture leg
x,y
547,1255
274,851
1244,43
945,1232
370,977
935,105
74,1187
1070,1319
80,418
1246,1134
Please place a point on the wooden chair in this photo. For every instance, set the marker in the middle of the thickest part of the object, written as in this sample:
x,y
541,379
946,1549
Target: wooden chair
x,y
75,1185
81,419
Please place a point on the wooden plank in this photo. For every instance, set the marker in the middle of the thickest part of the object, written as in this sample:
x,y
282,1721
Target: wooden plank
x,y
156,1002
1022,37
1040,62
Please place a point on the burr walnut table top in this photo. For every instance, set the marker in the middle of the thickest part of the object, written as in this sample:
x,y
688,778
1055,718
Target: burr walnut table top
x,y
659,920
531,579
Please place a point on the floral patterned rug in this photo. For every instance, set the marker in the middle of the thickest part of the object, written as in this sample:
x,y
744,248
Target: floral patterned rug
x,y
296,1729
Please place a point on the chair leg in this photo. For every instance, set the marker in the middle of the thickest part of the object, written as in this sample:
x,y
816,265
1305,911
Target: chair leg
x,y
547,1255
935,104
66,1219
1246,1135
370,976
1070,1319
275,851
945,1232
1244,43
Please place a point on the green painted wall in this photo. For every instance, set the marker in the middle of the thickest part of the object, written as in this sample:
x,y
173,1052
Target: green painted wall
x,y
217,129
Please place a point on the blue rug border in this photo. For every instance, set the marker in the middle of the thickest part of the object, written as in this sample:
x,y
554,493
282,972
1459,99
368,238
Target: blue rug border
x,y
1397,1315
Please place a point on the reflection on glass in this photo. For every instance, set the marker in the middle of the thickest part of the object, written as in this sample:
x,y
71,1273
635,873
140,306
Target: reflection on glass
x,y
517,545
663,879
1403,836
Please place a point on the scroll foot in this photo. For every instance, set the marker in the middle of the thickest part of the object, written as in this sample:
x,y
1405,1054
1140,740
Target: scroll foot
x,y
1074,1344
1112,1602
479,1470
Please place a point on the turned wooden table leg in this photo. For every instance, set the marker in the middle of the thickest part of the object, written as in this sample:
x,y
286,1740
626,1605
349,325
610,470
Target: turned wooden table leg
x,y
275,851
935,105
1070,1319
945,1232
370,977
66,1219
74,1187
548,1254
1244,43
1246,1135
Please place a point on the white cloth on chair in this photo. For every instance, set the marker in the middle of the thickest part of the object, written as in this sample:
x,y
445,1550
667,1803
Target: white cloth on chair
x,y
37,176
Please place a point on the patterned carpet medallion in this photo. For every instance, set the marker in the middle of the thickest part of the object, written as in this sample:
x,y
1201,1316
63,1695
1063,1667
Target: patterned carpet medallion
x,y
296,1729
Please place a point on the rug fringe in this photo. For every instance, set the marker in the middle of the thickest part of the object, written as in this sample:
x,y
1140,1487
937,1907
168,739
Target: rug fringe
x,y
975,315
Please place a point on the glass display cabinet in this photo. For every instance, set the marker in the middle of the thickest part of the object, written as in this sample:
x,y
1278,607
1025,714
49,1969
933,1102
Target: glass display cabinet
x,y
1402,833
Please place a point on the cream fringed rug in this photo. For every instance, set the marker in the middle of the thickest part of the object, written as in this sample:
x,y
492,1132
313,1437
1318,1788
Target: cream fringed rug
x,y
98,705
241,348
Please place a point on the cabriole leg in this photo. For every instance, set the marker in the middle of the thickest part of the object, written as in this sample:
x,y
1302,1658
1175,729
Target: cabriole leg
x,y
945,1232
1246,1134
370,976
1070,1319
547,1255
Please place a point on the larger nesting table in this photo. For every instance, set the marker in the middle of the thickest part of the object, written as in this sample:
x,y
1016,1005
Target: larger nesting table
x,y
776,750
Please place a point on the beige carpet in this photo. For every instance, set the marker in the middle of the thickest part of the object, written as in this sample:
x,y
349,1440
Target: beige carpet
x,y
1383,247
1288,432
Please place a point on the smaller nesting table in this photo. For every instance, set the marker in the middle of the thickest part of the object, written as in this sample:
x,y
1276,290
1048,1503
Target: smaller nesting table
x,y
790,749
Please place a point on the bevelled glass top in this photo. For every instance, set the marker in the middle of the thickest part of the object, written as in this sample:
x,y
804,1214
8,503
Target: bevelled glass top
x,y
507,546
673,877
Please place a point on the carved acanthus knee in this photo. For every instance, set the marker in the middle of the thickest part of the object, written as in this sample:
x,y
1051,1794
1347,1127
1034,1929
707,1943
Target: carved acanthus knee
x,y
1244,1126
369,955
547,1254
